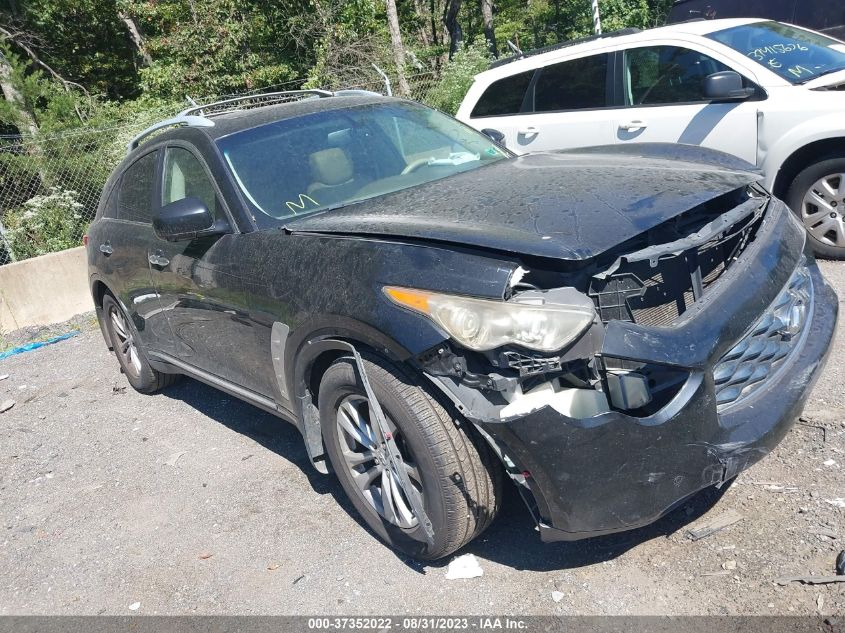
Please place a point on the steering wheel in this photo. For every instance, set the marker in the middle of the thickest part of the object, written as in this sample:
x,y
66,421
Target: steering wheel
x,y
415,165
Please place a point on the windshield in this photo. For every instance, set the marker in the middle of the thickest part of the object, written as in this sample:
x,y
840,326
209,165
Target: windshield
x,y
329,159
794,54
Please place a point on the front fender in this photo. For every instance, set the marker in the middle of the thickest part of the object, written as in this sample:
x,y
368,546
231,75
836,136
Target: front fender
x,y
819,128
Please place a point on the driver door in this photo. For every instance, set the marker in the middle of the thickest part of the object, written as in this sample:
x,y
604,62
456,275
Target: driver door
x,y
202,284
664,103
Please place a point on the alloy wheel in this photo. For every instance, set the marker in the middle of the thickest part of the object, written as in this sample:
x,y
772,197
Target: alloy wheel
x,y
822,210
126,346
362,447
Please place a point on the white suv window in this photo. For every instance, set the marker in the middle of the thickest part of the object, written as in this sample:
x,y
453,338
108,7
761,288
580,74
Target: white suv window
x,y
503,97
577,84
666,74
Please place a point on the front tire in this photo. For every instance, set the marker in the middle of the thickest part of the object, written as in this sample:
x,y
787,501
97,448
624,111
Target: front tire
x,y
817,196
458,477
130,353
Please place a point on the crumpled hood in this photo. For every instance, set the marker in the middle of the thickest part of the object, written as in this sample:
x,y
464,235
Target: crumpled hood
x,y
566,205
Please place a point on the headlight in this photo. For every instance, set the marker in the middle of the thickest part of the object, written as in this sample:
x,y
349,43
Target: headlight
x,y
484,324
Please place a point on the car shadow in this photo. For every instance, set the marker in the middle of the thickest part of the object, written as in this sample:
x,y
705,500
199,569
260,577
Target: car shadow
x,y
268,430
511,540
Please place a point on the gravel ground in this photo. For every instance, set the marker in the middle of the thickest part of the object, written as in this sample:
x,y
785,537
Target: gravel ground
x,y
191,502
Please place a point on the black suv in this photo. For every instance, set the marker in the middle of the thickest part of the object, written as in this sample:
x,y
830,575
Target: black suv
x,y
612,330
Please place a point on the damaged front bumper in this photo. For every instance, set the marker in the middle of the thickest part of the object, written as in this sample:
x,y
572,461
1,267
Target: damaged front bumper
x,y
747,382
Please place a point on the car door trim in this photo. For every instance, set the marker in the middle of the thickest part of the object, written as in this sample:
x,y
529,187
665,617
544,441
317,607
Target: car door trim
x,y
160,361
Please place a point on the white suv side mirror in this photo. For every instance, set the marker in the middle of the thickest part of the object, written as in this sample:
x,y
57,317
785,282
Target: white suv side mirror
x,y
726,84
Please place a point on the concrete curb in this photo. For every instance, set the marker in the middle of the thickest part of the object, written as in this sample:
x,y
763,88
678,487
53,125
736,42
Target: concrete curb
x,y
44,290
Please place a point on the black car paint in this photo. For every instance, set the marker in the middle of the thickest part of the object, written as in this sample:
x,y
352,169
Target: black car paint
x,y
210,310
568,205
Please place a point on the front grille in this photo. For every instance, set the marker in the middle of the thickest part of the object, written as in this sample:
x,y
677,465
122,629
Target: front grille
x,y
765,347
656,289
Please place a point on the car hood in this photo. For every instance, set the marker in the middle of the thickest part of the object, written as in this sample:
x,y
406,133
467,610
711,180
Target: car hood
x,y
565,205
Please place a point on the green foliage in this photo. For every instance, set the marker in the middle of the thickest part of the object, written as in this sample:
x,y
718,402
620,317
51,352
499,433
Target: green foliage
x,y
457,77
45,224
84,41
213,47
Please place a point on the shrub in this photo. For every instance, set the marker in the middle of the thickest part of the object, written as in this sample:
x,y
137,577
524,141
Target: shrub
x,y
457,77
45,224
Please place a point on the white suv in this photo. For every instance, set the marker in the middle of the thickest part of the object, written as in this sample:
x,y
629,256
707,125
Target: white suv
x,y
770,93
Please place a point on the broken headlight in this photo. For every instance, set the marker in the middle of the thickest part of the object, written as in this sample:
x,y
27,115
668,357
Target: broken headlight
x,y
485,324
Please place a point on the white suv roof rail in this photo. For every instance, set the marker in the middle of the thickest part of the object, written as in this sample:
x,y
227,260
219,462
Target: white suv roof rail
x,y
196,115
565,44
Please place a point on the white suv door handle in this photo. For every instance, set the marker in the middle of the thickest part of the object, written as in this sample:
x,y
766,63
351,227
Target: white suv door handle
x,y
528,131
633,125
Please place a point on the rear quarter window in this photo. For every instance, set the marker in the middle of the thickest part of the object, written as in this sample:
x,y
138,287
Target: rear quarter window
x,y
135,195
503,96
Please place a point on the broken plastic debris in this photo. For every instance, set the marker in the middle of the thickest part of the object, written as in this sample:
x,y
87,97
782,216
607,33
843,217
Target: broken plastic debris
x,y
465,566
557,596
829,462
174,458
729,564
714,525
4,376
7,404
809,580
839,502
840,563
134,606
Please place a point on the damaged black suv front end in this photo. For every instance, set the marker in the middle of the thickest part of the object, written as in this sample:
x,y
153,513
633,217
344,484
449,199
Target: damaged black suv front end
x,y
702,356
707,328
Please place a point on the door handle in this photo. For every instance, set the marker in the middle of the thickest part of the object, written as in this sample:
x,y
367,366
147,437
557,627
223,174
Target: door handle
x,y
158,259
633,125
106,249
528,131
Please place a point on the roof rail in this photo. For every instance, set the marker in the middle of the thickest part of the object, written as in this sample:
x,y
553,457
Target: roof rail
x,y
196,115
226,104
567,44
179,119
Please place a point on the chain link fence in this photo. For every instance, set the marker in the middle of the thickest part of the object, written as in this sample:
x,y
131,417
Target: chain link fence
x,y
50,186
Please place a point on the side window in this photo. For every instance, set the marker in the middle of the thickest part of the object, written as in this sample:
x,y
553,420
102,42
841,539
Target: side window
x,y
134,201
666,74
415,141
503,96
109,206
185,177
578,84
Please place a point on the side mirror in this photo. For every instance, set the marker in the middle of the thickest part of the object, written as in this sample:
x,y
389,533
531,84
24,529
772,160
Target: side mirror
x,y
726,84
186,219
494,135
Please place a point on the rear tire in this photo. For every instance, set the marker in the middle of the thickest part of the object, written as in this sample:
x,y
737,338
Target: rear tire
x,y
817,197
459,477
130,352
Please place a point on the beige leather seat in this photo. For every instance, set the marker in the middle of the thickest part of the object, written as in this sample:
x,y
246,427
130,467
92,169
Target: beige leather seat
x,y
334,177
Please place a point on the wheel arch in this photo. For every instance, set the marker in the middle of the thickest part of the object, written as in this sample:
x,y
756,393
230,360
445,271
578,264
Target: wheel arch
x,y
309,355
99,289
804,156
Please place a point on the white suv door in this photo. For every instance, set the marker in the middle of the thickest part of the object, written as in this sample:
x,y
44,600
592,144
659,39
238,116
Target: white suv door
x,y
559,106
664,103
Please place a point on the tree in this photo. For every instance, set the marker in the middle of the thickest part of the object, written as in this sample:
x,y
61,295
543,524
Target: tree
x,y
487,20
398,50
453,27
